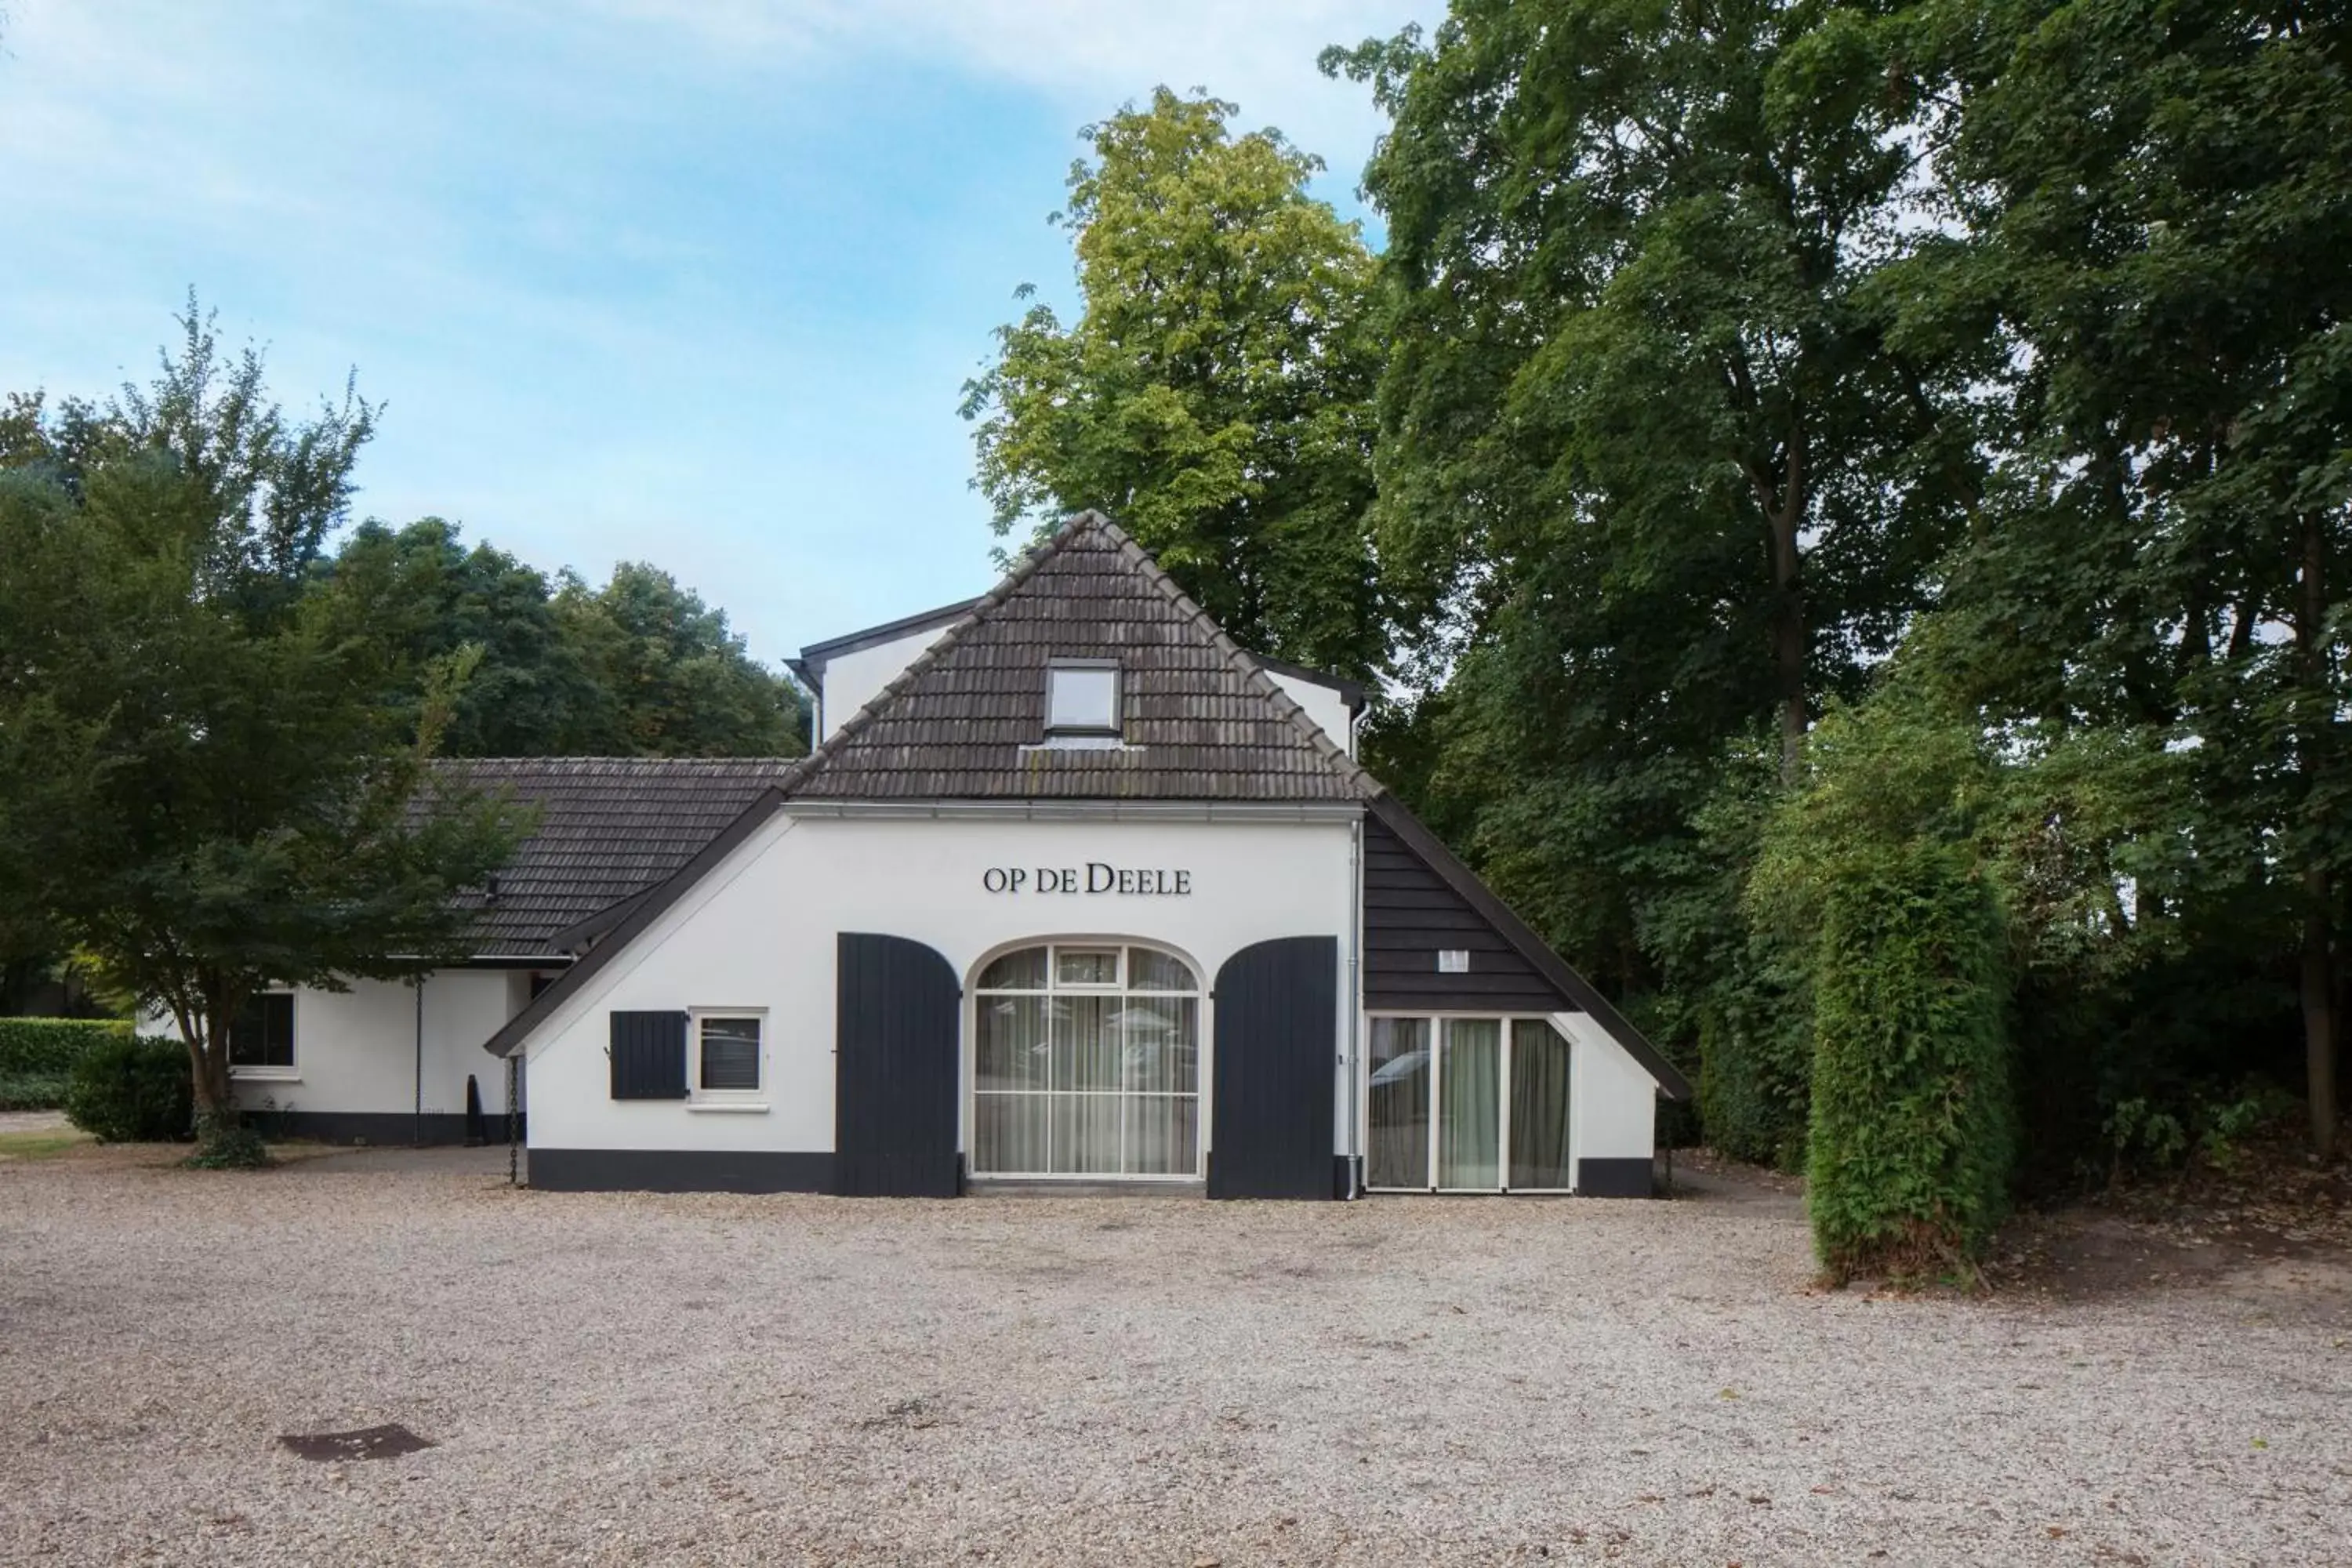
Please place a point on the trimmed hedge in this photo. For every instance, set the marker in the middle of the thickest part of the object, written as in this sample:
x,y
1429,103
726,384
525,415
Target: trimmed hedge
x,y
131,1091
37,1057
1913,1137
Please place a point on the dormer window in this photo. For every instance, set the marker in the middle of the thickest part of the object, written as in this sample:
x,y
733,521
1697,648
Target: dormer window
x,y
1082,700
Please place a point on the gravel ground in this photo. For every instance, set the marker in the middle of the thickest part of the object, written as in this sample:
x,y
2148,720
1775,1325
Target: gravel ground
x,y
623,1379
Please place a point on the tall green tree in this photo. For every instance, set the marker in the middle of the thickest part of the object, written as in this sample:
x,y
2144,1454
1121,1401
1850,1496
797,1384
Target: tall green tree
x,y
1658,474
200,779
1640,376
669,677
2157,205
1213,395
533,693
640,666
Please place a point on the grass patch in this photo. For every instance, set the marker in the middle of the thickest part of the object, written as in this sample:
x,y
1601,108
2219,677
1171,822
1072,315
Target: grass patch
x,y
42,1142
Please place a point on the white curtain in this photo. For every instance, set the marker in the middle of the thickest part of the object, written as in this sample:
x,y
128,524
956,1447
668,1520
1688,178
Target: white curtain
x,y
1469,1096
1096,1082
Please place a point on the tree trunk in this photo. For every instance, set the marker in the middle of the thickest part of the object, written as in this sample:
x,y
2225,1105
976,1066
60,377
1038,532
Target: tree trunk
x,y
206,1031
2318,889
1789,639
2319,1014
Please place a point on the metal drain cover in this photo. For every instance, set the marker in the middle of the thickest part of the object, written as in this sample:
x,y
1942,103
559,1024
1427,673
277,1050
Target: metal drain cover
x,y
386,1442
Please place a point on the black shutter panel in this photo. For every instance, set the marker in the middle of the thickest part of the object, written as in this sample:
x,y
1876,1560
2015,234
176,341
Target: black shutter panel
x,y
1276,1069
648,1055
896,1038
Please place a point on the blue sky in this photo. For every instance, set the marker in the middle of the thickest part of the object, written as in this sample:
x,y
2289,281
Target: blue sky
x,y
692,283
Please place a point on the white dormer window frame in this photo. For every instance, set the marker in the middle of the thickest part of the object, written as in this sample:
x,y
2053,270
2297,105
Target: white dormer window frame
x,y
1082,700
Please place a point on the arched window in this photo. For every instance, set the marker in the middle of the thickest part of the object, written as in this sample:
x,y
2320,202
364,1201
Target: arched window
x,y
1086,1062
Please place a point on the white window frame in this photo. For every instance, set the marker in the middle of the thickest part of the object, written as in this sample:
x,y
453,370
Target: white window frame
x,y
700,1098
1437,1047
292,1072
975,997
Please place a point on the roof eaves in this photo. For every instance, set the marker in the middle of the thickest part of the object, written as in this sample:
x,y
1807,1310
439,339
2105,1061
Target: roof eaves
x,y
1555,969
1241,658
859,722
649,907
817,654
583,933
1351,693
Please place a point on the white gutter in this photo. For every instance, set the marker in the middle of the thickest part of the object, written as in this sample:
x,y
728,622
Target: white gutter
x,y
1080,810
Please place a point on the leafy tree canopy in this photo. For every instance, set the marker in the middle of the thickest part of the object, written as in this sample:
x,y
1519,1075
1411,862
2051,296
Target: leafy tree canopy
x,y
1213,395
200,779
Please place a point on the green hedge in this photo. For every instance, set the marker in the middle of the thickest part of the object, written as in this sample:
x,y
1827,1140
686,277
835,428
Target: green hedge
x,y
133,1092
1912,1138
37,1057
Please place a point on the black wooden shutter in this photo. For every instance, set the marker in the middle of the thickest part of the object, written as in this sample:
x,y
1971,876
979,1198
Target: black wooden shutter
x,y
1276,1069
896,1035
648,1055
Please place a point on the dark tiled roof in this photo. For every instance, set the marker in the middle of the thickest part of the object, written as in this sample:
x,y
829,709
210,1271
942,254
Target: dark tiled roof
x,y
1202,720
609,828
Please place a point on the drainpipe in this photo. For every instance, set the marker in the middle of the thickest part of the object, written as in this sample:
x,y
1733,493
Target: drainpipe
x,y
1355,981
417,1136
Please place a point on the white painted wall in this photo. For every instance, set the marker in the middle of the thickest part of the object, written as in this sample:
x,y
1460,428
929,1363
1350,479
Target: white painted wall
x,y
356,1051
760,932
851,680
1613,1103
1322,704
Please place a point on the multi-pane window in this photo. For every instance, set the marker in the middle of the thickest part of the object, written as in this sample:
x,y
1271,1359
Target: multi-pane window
x,y
727,1053
261,1036
1087,1063
1467,1104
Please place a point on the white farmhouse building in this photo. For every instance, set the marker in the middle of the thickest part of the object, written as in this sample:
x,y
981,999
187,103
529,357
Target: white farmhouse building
x,y
1072,888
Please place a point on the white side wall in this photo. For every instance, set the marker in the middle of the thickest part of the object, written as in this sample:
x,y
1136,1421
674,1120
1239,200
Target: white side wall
x,y
851,680
356,1051
1322,704
760,931
1614,1101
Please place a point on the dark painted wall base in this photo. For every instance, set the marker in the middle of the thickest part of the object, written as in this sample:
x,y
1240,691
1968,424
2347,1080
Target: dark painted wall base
x,y
399,1128
679,1170
1626,1178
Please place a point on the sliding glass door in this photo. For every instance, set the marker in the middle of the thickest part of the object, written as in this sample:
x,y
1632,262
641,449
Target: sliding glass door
x,y
1467,1105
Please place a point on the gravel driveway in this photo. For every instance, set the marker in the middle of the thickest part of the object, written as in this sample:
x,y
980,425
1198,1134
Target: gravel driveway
x,y
622,1379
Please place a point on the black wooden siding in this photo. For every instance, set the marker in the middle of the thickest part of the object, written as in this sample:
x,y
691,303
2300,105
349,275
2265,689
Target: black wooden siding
x,y
895,1033
1410,914
1277,1008
648,1052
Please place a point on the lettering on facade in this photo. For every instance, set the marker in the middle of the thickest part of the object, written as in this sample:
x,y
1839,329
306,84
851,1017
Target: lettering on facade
x,y
1093,876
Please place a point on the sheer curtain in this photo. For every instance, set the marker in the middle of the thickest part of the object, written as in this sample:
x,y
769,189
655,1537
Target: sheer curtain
x,y
1398,1107
1539,1104
1086,1062
1469,1099
1011,1061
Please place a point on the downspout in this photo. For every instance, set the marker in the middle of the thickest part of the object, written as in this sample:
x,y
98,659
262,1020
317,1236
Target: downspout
x,y
416,1137
1355,982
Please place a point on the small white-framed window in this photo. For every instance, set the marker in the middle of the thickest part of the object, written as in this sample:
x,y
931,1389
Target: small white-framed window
x,y
729,1057
261,1037
1082,696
